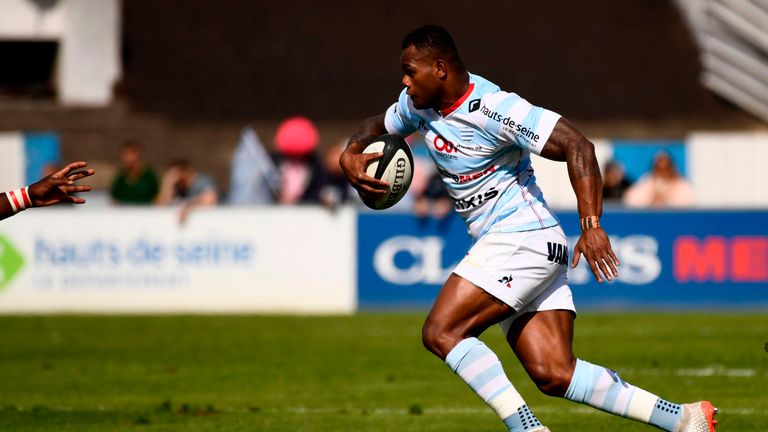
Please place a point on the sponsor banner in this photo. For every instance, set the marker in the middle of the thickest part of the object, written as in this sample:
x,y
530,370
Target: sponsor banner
x,y
668,259
403,260
141,260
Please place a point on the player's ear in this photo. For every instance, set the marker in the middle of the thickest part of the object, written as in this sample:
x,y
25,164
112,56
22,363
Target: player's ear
x,y
441,69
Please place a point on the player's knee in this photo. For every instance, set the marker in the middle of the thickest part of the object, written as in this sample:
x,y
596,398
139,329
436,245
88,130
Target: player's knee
x,y
438,338
430,337
552,378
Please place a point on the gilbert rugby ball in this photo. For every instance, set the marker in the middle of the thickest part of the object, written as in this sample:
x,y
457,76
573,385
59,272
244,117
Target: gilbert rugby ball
x,y
395,168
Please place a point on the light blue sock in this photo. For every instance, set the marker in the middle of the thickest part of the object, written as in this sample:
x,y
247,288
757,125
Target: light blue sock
x,y
479,367
603,389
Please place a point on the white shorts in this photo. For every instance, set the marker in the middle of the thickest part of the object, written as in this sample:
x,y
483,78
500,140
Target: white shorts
x,y
526,270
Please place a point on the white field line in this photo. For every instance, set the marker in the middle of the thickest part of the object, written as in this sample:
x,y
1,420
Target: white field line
x,y
709,371
479,410
382,411
717,371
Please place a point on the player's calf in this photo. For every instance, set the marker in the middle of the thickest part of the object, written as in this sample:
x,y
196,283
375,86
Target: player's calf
x,y
479,367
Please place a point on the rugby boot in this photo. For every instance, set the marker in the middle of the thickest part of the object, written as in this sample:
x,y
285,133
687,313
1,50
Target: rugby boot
x,y
540,429
698,417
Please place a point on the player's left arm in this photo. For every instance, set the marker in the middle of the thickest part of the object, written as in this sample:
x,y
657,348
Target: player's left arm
x,y
569,145
56,188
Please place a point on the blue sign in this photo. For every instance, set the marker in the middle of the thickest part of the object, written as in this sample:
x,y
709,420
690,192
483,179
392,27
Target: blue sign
x,y
42,154
668,259
403,260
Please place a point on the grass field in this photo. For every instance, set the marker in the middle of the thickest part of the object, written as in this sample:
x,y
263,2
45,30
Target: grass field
x,y
362,373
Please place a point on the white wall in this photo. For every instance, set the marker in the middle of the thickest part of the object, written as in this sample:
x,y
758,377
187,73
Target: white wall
x,y
89,35
729,169
90,62
21,19
12,161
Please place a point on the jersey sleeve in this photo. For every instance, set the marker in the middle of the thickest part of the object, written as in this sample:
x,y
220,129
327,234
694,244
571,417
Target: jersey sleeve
x,y
514,120
398,118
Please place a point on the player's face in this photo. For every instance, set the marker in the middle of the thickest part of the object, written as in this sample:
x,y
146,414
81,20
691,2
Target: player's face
x,y
420,78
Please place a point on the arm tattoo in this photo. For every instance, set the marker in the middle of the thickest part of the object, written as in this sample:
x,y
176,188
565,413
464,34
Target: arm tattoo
x,y
583,162
368,131
568,144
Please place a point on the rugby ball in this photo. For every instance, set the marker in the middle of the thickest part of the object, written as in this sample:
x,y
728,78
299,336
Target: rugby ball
x,y
395,168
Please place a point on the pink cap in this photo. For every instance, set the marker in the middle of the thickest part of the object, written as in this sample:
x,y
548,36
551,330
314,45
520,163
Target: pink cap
x,y
296,136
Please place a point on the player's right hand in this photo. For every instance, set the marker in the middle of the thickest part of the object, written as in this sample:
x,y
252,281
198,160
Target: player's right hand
x,y
354,166
595,245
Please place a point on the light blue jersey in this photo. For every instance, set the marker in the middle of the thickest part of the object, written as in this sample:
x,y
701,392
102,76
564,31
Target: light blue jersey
x,y
481,146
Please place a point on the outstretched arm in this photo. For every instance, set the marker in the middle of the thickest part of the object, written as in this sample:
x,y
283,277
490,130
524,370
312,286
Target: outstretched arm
x,y
353,162
55,189
208,198
5,206
568,144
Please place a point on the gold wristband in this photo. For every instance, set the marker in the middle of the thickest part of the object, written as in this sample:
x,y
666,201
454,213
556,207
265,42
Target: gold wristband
x,y
590,222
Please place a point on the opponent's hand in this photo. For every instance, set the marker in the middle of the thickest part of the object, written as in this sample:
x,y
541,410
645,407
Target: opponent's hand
x,y
354,167
59,186
596,248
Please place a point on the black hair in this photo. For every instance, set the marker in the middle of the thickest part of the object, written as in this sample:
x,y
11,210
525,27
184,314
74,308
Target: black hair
x,y
182,163
132,144
436,41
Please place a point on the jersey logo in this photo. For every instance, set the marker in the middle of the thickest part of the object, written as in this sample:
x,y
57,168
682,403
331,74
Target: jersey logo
x,y
444,148
476,200
443,145
466,134
557,253
511,125
506,280
463,178
474,104
616,378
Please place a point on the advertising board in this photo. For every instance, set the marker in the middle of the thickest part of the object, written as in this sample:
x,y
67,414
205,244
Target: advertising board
x,y
668,259
143,260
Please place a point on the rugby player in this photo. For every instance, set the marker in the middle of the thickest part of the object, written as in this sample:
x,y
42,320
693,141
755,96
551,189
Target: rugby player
x,y
54,189
515,273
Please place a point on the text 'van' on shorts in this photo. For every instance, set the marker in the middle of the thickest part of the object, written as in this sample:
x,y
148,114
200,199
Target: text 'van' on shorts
x,y
526,270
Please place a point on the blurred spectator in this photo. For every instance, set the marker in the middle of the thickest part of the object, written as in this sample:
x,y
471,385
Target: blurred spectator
x,y
254,178
335,188
615,182
297,163
662,187
434,199
183,184
135,182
